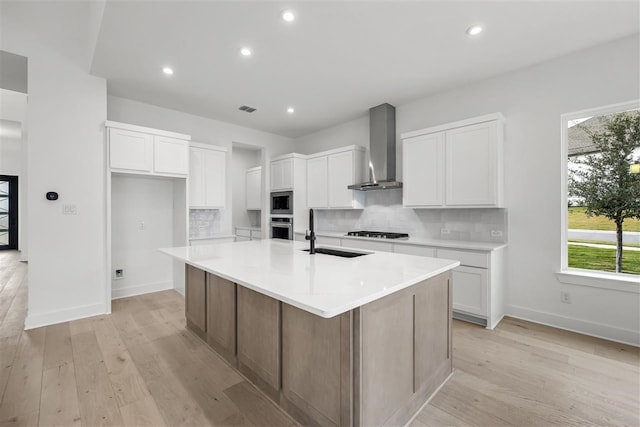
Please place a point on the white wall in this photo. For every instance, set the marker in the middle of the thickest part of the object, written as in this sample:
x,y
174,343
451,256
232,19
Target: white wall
x,y
532,101
201,130
65,153
141,222
241,160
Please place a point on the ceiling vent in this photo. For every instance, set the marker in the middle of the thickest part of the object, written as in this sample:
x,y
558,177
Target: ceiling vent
x,y
247,109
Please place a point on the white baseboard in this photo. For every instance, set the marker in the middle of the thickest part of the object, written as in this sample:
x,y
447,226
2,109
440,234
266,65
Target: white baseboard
x,y
51,318
140,289
181,291
585,327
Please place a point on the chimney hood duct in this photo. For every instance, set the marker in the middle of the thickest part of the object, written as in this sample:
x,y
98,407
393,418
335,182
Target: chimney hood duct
x,y
382,150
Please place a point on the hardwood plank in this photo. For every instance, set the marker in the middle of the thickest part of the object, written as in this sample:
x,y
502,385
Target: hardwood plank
x,y
128,385
59,402
256,408
96,400
57,346
22,393
142,413
25,420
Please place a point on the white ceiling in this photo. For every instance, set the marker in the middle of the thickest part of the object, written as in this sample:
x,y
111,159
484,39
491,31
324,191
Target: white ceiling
x,y
338,58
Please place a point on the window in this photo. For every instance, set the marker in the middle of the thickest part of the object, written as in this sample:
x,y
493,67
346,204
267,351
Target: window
x,y
601,192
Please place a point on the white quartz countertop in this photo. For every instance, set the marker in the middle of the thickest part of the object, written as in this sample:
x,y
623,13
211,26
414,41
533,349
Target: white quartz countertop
x,y
324,285
417,241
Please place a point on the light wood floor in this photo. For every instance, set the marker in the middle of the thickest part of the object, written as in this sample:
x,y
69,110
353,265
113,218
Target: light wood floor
x,y
139,366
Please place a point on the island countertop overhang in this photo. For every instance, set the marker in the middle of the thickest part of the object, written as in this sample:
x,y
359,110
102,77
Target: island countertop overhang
x,y
323,285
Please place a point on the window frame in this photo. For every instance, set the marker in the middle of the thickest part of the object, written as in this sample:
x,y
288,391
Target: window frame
x,y
579,276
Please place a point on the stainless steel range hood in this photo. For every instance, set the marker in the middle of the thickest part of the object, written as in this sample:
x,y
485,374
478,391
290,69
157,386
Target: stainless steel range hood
x,y
382,150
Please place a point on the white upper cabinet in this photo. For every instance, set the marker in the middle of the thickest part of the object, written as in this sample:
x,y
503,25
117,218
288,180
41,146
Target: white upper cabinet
x,y
471,165
139,150
282,174
330,173
170,155
254,189
423,160
130,150
454,165
207,176
317,182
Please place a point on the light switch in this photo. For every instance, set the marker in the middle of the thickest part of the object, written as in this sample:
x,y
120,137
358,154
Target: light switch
x,y
69,210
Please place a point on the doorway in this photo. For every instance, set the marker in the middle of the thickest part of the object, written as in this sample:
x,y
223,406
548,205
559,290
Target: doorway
x,y
8,212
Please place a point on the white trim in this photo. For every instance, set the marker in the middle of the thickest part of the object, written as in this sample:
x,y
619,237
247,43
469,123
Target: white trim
x,y
205,146
289,156
51,318
585,327
460,123
566,273
152,131
336,151
147,288
596,279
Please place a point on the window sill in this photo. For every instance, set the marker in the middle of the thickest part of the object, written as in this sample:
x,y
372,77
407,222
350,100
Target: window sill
x,y
618,282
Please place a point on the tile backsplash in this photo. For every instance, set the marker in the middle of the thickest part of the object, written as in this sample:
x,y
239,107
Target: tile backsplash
x,y
204,223
384,212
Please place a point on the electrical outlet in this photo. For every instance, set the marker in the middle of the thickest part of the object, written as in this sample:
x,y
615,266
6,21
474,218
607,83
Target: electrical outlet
x,y
119,273
445,231
141,225
565,297
496,233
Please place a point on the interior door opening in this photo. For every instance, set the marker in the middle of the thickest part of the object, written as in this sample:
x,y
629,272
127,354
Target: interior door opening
x,y
8,212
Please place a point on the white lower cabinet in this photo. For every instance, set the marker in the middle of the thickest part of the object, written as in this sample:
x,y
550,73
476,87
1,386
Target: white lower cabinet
x,y
370,245
470,290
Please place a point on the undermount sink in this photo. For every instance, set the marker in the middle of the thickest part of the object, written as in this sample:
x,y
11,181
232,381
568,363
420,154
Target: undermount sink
x,y
338,252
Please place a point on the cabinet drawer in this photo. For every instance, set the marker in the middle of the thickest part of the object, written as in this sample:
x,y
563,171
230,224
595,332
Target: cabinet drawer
x,y
323,240
414,250
471,259
243,232
367,245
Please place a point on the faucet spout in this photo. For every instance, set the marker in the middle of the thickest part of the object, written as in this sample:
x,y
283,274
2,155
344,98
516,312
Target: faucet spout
x,y
311,235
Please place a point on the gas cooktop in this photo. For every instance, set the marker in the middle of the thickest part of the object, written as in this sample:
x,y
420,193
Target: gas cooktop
x,y
378,234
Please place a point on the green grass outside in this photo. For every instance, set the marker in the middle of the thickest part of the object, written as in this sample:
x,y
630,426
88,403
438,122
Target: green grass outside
x,y
602,242
602,259
577,219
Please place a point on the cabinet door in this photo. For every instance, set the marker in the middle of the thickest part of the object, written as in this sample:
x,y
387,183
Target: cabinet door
x,y
170,155
215,171
196,177
470,290
196,299
282,174
317,191
423,173
471,165
253,190
341,175
221,315
130,150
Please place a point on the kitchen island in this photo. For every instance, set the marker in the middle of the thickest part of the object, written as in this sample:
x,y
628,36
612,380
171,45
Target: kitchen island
x,y
334,341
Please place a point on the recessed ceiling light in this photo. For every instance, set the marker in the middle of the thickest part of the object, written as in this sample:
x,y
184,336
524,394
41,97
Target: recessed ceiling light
x,y
245,51
474,30
291,110
168,71
288,16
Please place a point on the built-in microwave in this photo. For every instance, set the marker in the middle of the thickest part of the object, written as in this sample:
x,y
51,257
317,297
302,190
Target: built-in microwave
x,y
282,203
282,228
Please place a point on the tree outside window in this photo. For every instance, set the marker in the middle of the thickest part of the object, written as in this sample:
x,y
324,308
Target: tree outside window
x,y
603,215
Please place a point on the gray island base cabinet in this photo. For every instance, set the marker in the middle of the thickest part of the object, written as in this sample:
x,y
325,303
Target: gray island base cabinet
x,y
377,364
